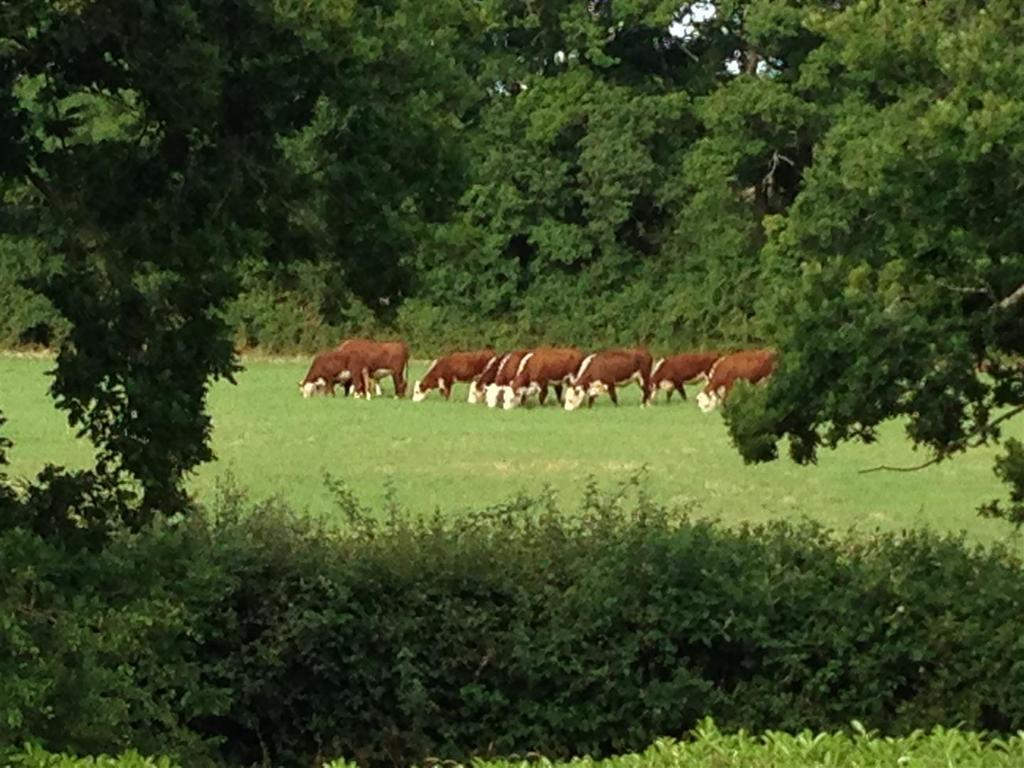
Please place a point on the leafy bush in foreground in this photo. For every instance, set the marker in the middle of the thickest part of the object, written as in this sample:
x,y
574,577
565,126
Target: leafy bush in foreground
x,y
940,748
257,637
33,757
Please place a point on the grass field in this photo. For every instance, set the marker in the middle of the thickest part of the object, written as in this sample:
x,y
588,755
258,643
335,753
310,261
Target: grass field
x,y
454,456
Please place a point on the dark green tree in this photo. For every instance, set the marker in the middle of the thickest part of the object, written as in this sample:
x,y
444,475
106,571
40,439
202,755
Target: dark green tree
x,y
164,142
897,273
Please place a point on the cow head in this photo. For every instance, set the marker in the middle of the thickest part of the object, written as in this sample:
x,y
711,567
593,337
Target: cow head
x,y
511,398
574,397
477,393
708,400
493,395
418,394
310,388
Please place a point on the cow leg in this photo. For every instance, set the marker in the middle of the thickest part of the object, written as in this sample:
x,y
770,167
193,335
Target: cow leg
x,y
590,399
446,389
558,394
682,390
398,377
613,394
542,396
668,394
645,391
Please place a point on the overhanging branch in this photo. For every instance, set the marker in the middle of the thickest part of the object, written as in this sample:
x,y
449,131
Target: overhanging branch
x,y
961,445
1014,298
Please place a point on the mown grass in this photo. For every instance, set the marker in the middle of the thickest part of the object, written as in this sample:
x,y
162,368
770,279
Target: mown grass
x,y
453,456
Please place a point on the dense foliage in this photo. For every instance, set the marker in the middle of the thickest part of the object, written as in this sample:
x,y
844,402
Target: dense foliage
x,y
938,748
523,627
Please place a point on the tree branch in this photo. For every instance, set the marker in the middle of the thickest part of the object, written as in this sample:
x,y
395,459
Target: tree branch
x,y
1014,298
959,446
916,468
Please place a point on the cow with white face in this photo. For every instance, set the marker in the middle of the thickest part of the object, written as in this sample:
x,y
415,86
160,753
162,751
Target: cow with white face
x,y
752,365
602,372
383,358
446,371
671,374
540,368
478,386
334,367
494,389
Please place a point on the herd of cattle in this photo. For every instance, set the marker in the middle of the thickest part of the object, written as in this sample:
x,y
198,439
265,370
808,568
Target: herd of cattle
x,y
508,380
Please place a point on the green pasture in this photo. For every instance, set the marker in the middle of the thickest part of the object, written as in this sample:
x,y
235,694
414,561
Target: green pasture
x,y
453,456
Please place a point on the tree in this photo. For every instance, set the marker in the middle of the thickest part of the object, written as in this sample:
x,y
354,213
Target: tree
x,y
897,271
163,142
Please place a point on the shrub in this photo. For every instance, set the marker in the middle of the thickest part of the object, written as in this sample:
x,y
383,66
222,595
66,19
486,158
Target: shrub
x,y
33,757
938,749
257,636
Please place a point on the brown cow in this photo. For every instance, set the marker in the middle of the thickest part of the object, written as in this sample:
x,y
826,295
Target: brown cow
x,y
331,368
541,367
751,365
478,386
602,371
500,388
445,371
342,364
384,358
671,373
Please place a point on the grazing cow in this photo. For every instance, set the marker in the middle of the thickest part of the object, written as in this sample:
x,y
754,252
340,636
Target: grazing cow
x,y
602,371
478,386
342,365
384,358
751,365
500,389
542,367
671,373
445,371
331,367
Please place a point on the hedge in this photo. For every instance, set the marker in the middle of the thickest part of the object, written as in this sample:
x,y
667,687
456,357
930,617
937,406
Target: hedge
x,y
251,635
940,748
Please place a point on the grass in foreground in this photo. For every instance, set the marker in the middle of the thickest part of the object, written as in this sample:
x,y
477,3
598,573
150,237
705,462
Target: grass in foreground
x,y
453,456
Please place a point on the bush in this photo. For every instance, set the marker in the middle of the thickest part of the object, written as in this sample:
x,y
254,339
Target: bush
x,y
33,757
938,749
260,637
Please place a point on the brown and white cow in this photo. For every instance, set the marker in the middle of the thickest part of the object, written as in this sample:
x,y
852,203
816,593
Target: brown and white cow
x,y
672,373
751,365
341,364
443,372
602,371
333,367
385,358
478,386
499,388
540,368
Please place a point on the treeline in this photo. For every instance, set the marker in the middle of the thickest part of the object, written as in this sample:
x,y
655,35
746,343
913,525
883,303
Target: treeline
x,y
588,172
250,636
